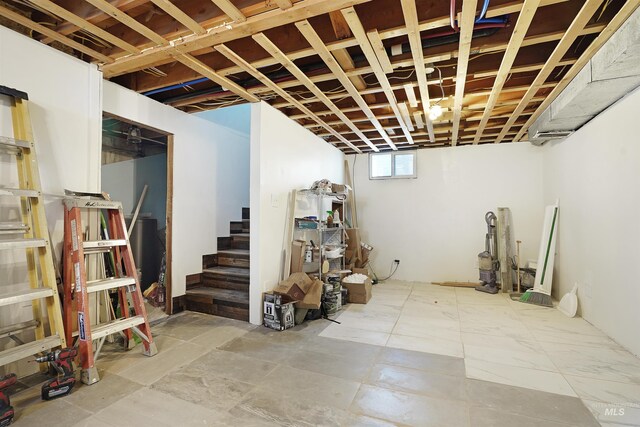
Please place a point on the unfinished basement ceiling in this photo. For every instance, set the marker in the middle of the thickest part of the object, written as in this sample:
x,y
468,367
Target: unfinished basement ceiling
x,y
363,74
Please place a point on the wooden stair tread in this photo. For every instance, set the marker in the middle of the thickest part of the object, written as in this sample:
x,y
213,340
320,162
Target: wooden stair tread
x,y
222,295
228,271
234,252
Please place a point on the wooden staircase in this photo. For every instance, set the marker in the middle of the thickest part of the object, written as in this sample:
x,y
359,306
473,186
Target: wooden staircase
x,y
223,285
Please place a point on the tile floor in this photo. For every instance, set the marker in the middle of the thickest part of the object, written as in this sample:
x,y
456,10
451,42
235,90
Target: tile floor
x,y
417,355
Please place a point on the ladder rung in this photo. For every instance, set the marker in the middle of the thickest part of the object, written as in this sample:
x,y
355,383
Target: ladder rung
x,y
13,228
84,203
22,243
5,141
110,283
7,331
100,331
23,296
28,349
98,245
17,192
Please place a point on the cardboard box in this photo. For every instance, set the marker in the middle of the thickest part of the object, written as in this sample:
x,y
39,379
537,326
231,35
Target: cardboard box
x,y
297,255
338,188
353,238
313,298
277,314
359,293
292,290
365,250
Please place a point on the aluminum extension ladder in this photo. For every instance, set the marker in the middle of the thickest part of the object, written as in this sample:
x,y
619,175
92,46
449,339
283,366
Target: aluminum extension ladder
x,y
31,235
77,288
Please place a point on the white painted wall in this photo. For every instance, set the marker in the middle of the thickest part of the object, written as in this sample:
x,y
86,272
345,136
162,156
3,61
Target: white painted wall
x,y
596,175
434,224
210,176
65,106
284,156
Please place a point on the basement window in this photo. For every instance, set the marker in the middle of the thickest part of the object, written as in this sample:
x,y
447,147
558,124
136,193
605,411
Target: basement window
x,y
400,164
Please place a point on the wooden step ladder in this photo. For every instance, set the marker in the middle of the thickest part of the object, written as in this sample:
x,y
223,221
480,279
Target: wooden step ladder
x,y
30,235
76,286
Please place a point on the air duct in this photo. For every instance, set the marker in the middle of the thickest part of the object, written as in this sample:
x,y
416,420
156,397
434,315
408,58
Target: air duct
x,y
613,72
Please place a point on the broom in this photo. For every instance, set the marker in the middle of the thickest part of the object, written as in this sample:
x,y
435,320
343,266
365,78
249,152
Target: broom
x,y
538,295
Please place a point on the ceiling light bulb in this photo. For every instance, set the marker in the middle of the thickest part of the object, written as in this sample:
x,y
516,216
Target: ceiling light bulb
x,y
435,112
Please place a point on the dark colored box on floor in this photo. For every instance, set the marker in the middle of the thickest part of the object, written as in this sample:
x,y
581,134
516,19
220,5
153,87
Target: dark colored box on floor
x,y
278,312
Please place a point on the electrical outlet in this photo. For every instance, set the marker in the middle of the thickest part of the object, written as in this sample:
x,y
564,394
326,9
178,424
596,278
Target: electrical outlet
x,y
396,261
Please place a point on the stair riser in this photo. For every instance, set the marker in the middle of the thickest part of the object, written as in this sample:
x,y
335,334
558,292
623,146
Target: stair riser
x,y
246,213
239,244
215,281
239,226
233,242
233,261
219,310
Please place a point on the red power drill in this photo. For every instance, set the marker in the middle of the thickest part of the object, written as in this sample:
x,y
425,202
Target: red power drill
x,y
6,410
62,362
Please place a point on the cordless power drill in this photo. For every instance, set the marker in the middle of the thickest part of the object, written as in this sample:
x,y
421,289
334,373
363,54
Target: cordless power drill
x,y
62,362
6,410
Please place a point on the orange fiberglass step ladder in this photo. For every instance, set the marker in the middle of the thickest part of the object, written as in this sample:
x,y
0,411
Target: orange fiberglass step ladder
x,y
77,288
30,234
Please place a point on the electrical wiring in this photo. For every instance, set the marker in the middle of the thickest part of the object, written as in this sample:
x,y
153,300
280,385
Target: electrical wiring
x,y
96,39
391,273
452,16
440,84
483,12
603,9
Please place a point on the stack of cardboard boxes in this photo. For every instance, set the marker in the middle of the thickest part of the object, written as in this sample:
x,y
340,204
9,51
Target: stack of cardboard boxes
x,y
299,291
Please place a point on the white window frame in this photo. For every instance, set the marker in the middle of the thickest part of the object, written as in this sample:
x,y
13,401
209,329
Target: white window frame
x,y
393,164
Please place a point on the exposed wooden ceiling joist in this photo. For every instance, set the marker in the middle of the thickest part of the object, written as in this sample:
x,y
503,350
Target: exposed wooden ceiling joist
x,y
413,32
574,30
208,72
179,16
314,40
224,34
232,56
356,27
273,50
85,25
116,13
22,20
525,17
493,77
230,10
623,14
467,20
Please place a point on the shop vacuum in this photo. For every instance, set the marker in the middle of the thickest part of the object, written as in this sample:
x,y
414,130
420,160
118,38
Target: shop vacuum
x,y
488,260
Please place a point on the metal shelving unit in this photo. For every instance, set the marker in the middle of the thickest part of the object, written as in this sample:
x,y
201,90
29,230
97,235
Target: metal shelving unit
x,y
322,235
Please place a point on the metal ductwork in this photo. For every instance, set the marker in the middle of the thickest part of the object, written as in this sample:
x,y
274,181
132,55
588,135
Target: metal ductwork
x,y
613,72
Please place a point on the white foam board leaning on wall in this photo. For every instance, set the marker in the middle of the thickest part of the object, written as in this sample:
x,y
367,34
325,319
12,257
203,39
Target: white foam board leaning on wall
x,y
284,156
